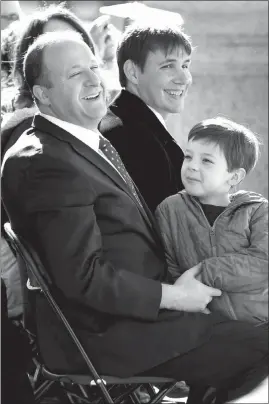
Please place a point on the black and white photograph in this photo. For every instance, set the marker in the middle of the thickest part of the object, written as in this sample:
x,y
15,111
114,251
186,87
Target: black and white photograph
x,y
134,202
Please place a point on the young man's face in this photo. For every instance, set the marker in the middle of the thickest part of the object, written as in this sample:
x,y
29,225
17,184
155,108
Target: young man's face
x,y
164,81
205,173
77,94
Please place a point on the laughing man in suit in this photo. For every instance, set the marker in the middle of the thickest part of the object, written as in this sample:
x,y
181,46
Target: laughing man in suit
x,y
154,68
68,194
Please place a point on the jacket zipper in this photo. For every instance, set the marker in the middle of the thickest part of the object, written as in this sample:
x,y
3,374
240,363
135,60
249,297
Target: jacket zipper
x,y
211,228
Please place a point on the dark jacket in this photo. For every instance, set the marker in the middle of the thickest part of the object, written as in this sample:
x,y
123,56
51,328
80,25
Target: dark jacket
x,y
233,252
148,151
12,127
102,252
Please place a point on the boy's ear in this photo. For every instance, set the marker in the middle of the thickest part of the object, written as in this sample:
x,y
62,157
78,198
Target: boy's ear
x,y
237,176
130,71
41,94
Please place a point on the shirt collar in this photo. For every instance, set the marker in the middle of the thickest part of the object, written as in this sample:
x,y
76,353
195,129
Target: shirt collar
x,y
88,136
158,115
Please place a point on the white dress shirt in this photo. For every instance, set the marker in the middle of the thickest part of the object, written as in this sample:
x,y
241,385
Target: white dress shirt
x,y
87,136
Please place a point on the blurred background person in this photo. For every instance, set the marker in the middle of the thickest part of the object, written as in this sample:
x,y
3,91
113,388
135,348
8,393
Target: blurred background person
x,y
10,11
11,15
106,38
8,41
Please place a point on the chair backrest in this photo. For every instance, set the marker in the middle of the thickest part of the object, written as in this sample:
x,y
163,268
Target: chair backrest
x,y
42,281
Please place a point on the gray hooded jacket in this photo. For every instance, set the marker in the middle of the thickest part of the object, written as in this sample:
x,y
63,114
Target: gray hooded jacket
x,y
233,252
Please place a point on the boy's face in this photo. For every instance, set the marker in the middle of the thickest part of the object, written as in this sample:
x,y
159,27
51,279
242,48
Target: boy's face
x,y
164,81
205,173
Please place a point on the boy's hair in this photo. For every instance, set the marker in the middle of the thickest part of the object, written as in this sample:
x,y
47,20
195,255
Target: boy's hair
x,y
239,144
139,39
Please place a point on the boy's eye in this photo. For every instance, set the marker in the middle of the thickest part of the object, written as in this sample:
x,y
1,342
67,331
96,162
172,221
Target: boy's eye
x,y
187,157
168,66
207,161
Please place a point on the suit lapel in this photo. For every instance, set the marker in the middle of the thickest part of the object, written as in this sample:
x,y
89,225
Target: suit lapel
x,y
94,158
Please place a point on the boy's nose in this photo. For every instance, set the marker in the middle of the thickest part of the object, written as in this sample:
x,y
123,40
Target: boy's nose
x,y
193,166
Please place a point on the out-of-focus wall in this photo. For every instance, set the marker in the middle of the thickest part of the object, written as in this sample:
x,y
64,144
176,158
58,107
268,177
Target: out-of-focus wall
x,y
230,70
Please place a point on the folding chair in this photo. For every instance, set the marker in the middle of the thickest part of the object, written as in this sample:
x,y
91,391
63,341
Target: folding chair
x,y
78,388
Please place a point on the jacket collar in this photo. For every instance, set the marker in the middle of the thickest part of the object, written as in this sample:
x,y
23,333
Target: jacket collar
x,y
94,158
130,107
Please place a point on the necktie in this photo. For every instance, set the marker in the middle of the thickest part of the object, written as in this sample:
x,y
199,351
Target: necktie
x,y
113,156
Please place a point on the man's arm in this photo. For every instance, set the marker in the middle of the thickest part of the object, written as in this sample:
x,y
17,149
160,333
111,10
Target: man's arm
x,y
187,293
167,240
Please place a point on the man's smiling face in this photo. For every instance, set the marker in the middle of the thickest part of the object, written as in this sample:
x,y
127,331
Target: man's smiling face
x,y
76,94
164,81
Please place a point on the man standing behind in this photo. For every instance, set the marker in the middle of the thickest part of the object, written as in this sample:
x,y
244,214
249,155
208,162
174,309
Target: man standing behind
x,y
154,71
68,194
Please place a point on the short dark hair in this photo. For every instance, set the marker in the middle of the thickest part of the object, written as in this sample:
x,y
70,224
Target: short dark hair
x,y
139,39
238,143
35,26
34,70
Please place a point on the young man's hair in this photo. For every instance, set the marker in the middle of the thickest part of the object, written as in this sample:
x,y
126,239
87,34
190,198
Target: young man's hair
x,y
34,69
140,39
239,144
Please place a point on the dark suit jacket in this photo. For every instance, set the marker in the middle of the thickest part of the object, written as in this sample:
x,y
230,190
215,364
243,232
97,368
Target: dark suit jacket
x,y
150,154
8,138
102,252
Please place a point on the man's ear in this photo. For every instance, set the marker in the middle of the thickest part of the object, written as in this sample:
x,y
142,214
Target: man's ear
x,y
40,94
237,176
130,71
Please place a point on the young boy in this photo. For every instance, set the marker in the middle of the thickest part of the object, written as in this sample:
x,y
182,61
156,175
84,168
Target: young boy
x,y
226,232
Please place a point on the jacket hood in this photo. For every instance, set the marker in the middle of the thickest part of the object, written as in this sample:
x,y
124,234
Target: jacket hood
x,y
238,198
246,197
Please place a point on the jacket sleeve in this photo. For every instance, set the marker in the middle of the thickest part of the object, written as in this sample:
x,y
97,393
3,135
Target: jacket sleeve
x,y
64,229
166,233
246,270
